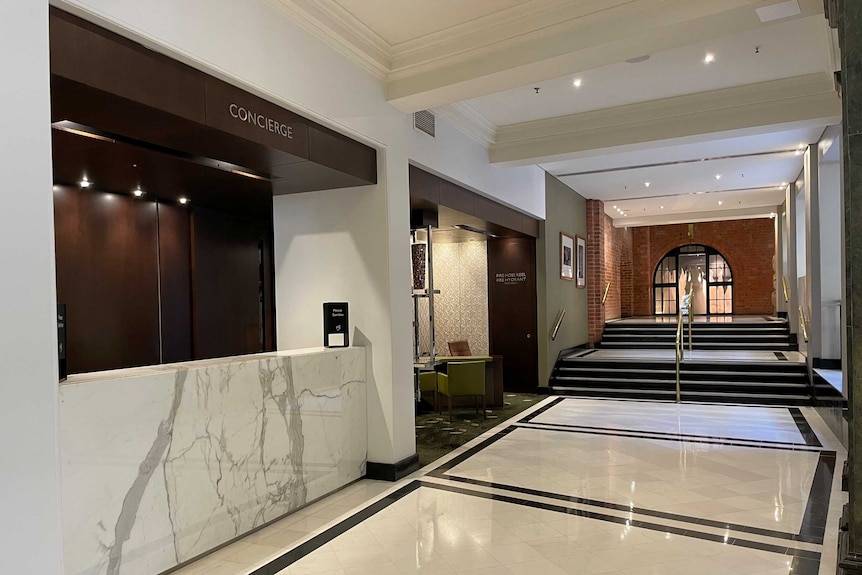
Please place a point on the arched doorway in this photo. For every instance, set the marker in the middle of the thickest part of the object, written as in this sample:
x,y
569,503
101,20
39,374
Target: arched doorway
x,y
713,290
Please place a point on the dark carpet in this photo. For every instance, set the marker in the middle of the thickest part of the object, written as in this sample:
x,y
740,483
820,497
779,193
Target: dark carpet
x,y
436,435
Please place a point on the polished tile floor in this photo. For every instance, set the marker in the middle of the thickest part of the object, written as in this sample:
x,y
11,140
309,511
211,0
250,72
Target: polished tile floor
x,y
581,486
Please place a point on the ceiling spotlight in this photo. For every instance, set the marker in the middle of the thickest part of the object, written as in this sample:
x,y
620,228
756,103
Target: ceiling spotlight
x,y
800,146
138,192
615,207
646,184
783,184
709,58
720,202
577,83
662,207
718,176
184,200
85,183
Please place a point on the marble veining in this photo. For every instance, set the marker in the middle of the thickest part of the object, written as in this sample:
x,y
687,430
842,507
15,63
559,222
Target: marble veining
x,y
161,467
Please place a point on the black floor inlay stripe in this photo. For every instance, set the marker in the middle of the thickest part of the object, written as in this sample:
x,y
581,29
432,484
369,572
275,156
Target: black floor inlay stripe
x,y
812,556
813,523
804,427
636,435
716,437
283,561
780,356
543,409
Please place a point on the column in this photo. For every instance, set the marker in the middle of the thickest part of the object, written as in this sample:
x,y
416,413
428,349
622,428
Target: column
x,y
812,260
790,269
850,34
595,269
29,461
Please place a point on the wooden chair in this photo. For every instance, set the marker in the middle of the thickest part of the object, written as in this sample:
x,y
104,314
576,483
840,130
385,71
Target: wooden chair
x,y
459,348
463,378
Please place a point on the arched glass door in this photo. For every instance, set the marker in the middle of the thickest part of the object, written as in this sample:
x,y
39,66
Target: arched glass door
x,y
711,274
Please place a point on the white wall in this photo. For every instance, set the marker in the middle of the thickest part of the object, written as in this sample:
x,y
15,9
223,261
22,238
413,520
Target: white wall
x,y
831,234
250,43
29,465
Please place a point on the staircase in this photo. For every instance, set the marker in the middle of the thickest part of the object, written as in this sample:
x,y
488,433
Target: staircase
x,y
740,334
710,375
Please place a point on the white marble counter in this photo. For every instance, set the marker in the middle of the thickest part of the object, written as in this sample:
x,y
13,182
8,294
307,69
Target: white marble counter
x,y
163,463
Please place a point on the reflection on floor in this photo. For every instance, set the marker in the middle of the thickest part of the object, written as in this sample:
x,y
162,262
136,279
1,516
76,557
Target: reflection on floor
x,y
733,356
580,486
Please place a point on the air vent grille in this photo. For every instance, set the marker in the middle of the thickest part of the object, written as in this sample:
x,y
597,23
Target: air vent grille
x,y
423,120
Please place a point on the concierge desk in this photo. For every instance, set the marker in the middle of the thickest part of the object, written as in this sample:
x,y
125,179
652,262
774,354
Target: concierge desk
x,y
161,464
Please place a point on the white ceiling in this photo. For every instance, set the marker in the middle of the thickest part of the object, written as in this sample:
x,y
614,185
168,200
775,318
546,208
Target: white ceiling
x,y
769,89
789,48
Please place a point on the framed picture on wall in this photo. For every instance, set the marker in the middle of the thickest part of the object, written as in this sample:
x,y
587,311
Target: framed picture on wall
x,y
567,255
581,263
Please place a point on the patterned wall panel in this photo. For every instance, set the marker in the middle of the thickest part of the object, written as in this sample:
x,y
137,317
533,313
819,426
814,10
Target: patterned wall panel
x,y
461,307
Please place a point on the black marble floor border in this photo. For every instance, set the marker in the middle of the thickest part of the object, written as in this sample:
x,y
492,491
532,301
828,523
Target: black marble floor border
x,y
764,442
804,427
813,526
804,562
780,356
640,435
553,403
293,555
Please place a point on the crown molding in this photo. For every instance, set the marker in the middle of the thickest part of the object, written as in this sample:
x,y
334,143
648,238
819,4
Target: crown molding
x,y
696,217
341,31
466,119
803,99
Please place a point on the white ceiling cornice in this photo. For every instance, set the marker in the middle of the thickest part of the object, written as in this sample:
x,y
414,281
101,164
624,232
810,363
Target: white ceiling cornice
x,y
695,217
341,31
789,101
463,117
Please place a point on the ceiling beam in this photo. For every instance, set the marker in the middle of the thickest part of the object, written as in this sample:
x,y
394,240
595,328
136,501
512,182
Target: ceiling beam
x,y
491,60
790,103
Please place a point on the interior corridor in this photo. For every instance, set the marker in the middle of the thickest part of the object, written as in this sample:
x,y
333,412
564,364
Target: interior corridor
x,y
583,486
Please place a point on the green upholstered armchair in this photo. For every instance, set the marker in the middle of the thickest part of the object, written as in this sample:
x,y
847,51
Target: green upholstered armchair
x,y
428,381
463,378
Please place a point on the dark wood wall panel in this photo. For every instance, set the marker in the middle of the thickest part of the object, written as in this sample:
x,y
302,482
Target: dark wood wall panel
x,y
225,283
107,275
175,283
512,314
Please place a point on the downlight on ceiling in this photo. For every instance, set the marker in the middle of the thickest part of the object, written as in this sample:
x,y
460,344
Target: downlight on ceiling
x,y
85,183
646,184
467,228
138,192
709,58
184,200
577,83
718,176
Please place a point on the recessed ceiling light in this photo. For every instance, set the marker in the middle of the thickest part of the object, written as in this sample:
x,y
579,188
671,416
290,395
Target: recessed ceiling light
x,y
615,207
184,200
577,83
783,184
138,192
662,207
646,184
718,176
85,183
709,58
720,202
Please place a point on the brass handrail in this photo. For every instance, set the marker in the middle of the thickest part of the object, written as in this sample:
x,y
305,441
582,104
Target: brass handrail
x,y
678,352
786,291
802,323
557,324
605,295
679,345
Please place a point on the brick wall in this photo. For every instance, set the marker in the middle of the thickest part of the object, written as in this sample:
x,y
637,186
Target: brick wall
x,y
747,245
609,259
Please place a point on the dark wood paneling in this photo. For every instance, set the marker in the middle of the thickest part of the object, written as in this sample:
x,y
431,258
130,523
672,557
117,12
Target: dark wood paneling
x,y
88,54
512,314
340,153
511,219
175,283
424,185
225,284
488,210
530,226
457,198
107,275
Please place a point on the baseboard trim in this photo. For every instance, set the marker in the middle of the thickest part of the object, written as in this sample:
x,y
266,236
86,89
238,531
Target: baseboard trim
x,y
392,471
826,363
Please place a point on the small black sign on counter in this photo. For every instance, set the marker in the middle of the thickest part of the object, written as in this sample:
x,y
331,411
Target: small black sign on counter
x,y
61,340
335,324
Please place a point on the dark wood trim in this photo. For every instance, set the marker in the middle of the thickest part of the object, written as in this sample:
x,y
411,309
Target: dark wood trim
x,y
432,190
